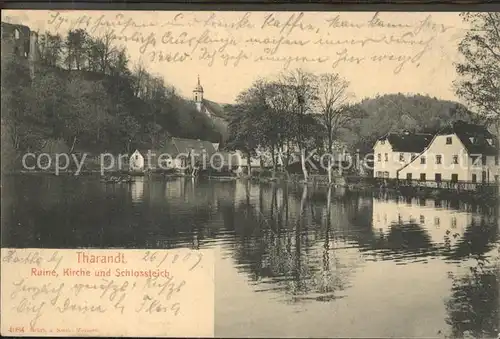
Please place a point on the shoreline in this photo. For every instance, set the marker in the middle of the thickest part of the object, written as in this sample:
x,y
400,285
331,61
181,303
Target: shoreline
x,y
363,184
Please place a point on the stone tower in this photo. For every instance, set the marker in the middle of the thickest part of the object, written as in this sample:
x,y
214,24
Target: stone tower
x,y
198,95
34,54
22,43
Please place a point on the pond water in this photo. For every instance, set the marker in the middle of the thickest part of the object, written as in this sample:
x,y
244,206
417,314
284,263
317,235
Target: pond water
x,y
290,261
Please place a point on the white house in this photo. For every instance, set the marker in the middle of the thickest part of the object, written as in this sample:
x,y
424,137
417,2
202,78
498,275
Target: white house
x,y
136,161
394,150
460,152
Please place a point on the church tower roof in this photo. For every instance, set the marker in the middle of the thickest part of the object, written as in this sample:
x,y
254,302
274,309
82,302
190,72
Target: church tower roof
x,y
198,87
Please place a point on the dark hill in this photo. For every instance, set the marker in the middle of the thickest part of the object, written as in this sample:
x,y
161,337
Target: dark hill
x,y
397,112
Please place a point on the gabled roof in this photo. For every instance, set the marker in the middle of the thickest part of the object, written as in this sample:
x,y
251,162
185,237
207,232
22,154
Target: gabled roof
x,y
476,138
214,108
175,146
408,142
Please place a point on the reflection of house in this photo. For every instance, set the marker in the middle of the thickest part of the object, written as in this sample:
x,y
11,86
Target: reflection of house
x,y
439,223
393,151
461,152
137,189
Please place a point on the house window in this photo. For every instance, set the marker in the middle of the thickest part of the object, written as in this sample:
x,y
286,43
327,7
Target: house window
x,y
496,160
490,141
448,140
436,221
437,177
472,140
438,159
496,178
422,219
483,177
401,156
475,160
483,160
408,176
422,160
455,159
474,178
422,176
379,157
453,222
386,174
16,34
386,157
454,177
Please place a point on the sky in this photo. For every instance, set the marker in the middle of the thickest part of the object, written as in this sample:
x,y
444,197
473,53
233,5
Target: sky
x,y
378,53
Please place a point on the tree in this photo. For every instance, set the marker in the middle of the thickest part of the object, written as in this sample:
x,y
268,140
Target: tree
x,y
51,47
331,99
303,89
479,82
246,120
22,123
282,128
76,44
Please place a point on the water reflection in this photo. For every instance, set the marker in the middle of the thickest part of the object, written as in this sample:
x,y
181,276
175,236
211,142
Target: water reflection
x,y
137,189
291,245
473,307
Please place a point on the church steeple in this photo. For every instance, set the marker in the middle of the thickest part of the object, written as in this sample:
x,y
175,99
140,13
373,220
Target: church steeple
x,y
198,92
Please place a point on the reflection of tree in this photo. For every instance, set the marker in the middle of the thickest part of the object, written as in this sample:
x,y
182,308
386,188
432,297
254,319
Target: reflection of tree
x,y
478,239
69,212
279,246
406,239
473,308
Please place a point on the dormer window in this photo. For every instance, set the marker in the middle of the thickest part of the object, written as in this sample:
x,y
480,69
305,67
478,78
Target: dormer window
x,y
472,139
490,141
16,34
382,142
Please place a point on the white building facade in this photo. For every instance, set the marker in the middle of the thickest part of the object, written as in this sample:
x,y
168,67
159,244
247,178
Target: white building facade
x,y
394,151
463,152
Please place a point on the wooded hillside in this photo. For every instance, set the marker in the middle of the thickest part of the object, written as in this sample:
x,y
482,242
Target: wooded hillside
x,y
85,97
397,112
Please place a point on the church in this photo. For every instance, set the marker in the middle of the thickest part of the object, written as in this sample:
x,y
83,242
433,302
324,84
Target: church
x,y
211,109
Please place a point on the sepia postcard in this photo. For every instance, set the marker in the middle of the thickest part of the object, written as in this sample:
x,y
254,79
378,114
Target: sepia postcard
x,y
250,174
